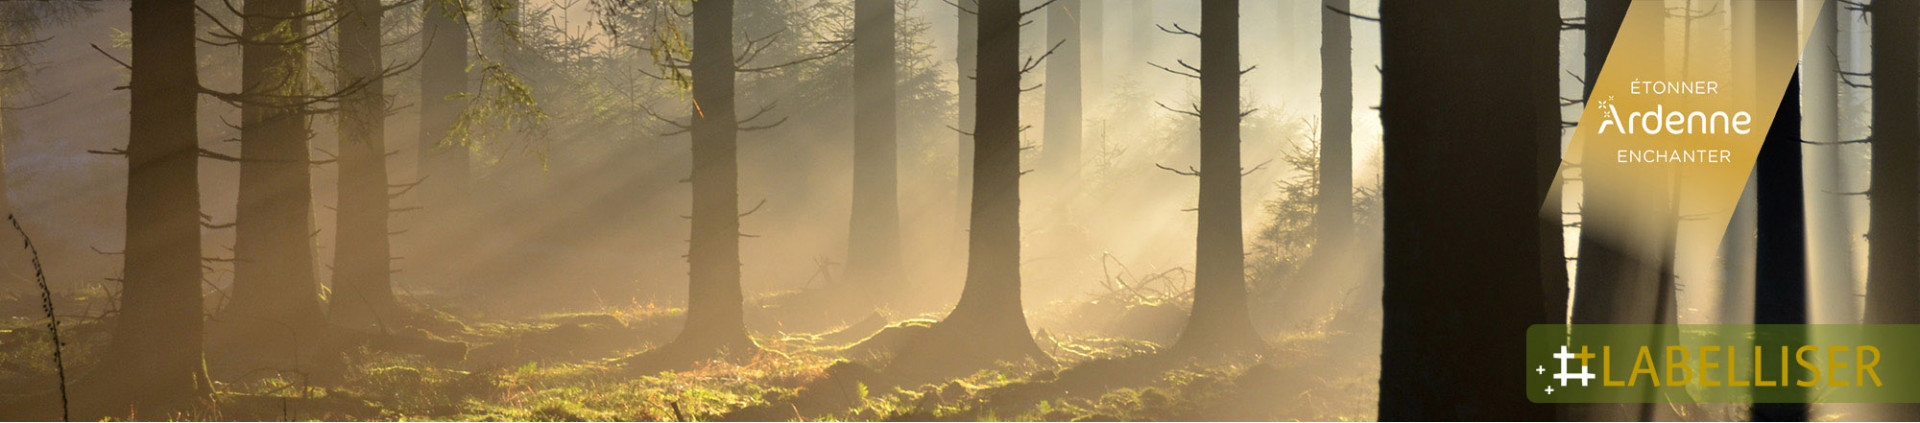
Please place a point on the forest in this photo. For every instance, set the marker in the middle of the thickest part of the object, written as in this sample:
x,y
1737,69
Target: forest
x,y
900,210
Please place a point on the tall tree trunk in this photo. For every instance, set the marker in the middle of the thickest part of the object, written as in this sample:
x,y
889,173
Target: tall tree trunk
x,y
153,367
1553,248
1060,155
992,292
873,247
1220,321
1461,204
1893,231
1893,284
715,313
1780,248
967,58
275,292
988,325
9,134
1333,216
443,163
362,282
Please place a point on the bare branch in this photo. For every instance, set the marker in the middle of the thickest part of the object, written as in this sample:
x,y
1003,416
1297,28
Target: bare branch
x,y
1256,168
1355,16
1866,140
1189,172
1177,30
1195,112
1175,72
123,64
756,208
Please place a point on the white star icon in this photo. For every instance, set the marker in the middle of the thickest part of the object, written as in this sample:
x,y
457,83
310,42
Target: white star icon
x,y
1541,370
1549,389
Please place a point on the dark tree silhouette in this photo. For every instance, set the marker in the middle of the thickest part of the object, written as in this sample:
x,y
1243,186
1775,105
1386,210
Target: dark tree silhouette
x,y
714,301
873,246
1461,202
1780,247
1893,277
988,324
1333,215
1219,321
153,367
1553,251
1060,151
362,280
276,296
443,163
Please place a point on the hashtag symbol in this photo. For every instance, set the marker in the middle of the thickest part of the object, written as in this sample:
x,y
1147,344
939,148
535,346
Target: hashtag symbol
x,y
1563,375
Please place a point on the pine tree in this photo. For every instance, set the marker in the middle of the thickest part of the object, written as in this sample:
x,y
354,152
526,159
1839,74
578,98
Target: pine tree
x,y
276,294
1219,321
154,366
988,325
362,278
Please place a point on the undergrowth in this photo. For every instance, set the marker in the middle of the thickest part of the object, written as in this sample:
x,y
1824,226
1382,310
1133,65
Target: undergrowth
x,y
566,369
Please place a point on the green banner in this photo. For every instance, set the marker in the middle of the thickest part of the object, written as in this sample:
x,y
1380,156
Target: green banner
x,y
1723,363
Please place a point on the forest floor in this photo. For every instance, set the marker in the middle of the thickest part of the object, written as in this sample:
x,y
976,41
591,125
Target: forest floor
x,y
566,367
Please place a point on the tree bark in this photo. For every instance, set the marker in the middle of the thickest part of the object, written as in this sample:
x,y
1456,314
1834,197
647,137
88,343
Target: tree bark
x,y
967,59
1893,283
715,313
362,279
1461,205
1553,250
1893,231
1220,321
154,366
275,291
988,325
154,362
992,292
873,246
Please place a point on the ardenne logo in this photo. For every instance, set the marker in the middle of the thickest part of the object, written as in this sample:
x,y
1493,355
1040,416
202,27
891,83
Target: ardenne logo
x,y
1660,121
